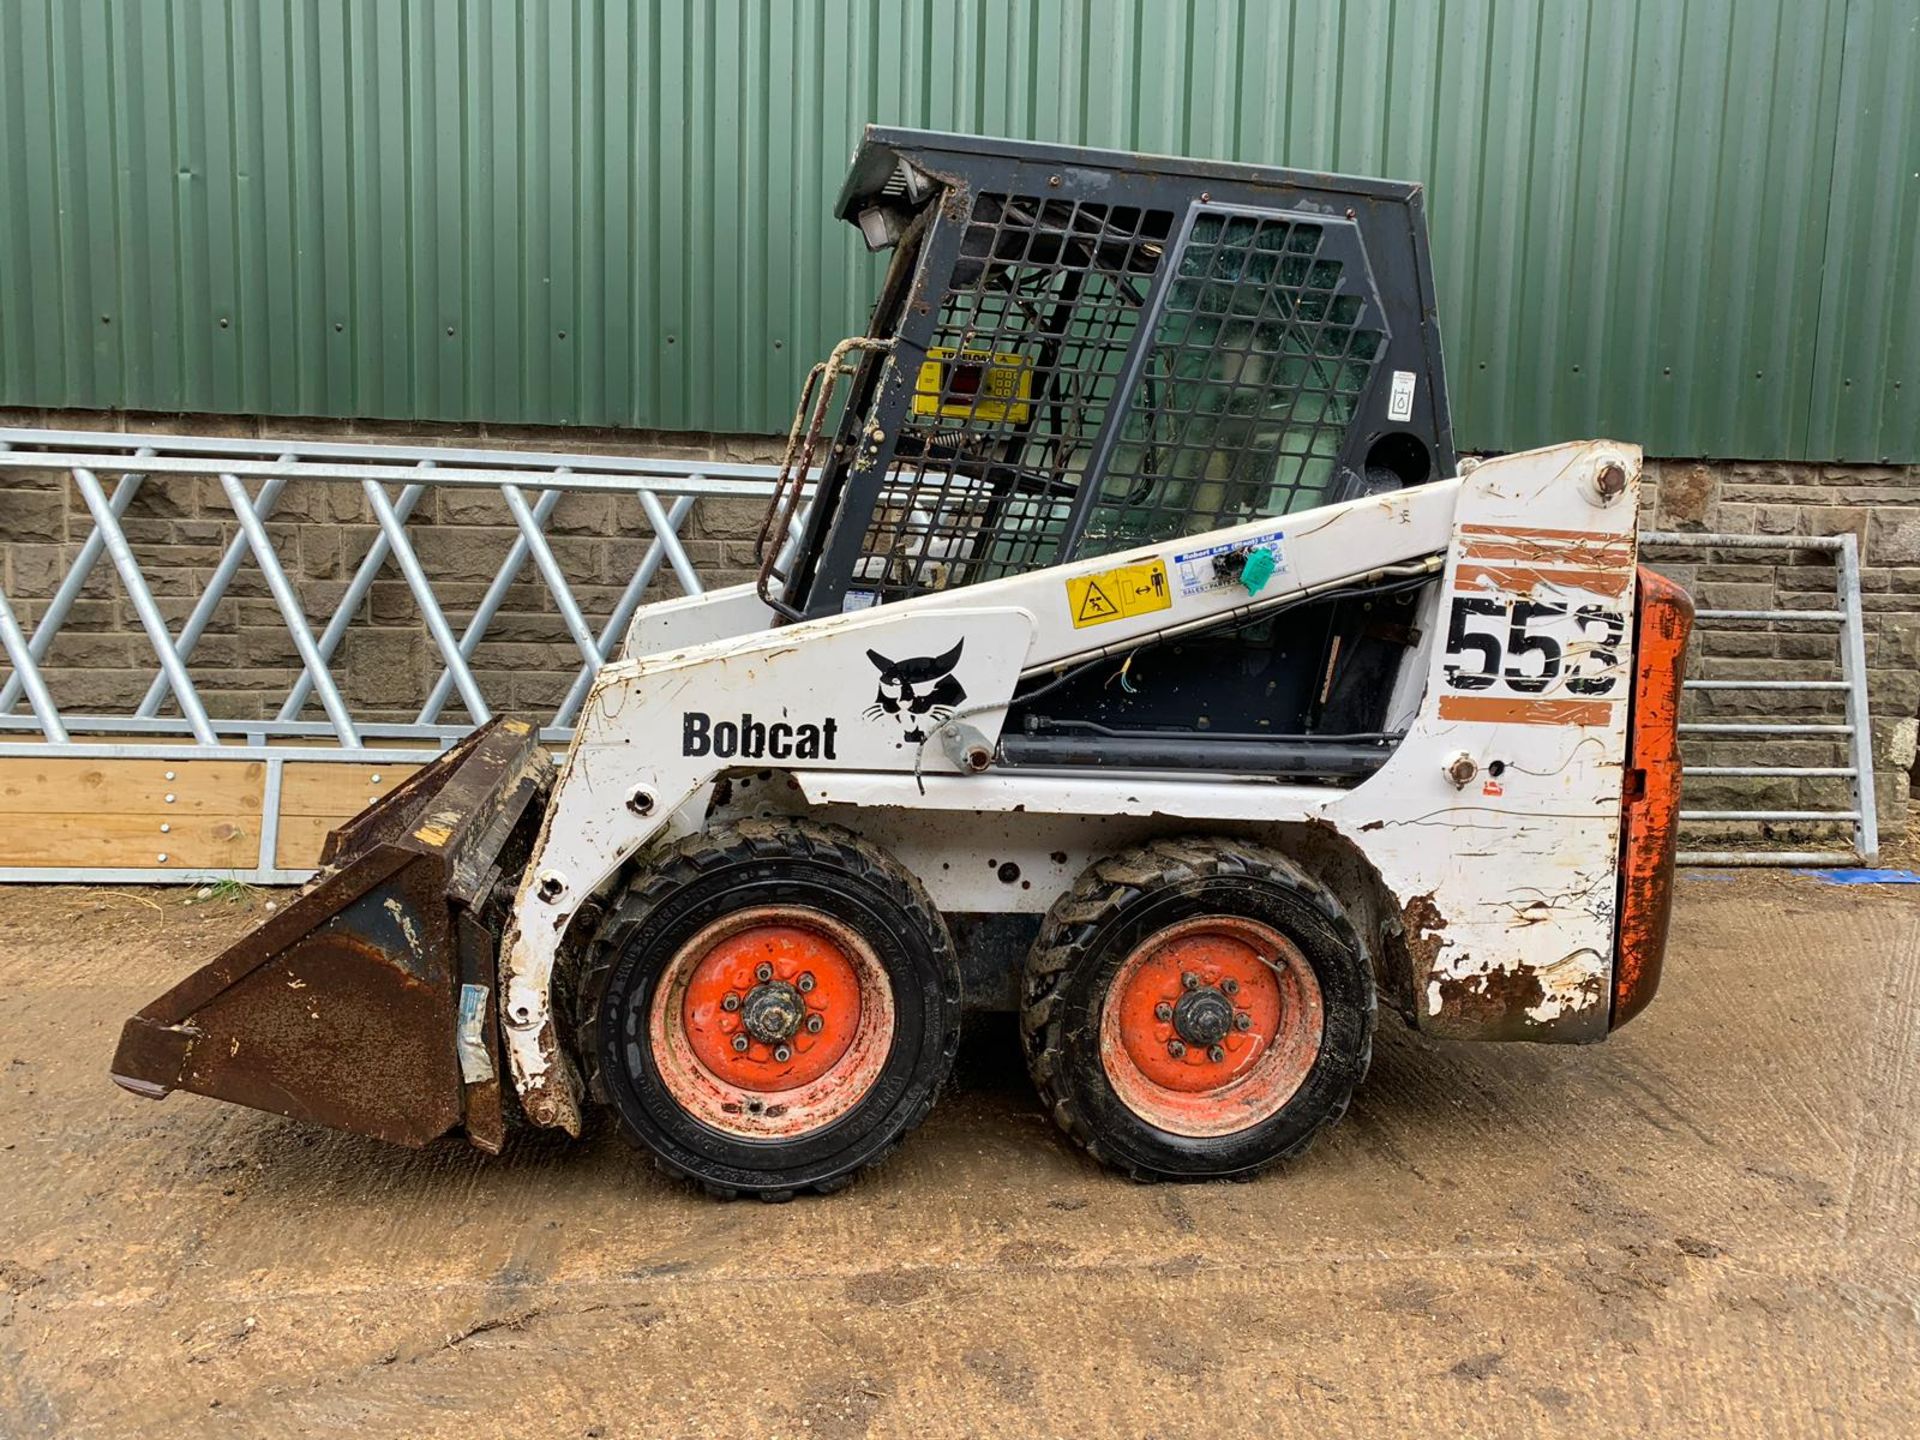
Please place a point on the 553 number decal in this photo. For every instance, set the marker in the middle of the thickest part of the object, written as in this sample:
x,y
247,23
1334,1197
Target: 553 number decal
x,y
1530,646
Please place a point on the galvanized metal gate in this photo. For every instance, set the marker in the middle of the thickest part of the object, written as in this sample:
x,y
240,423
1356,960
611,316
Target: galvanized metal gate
x,y
1851,732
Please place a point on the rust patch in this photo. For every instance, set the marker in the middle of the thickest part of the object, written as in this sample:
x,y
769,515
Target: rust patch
x,y
1498,711
553,1102
1423,923
1484,1005
1493,1003
1500,1005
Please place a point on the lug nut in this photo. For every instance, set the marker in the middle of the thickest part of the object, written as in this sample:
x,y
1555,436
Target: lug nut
x,y
731,1002
1230,985
782,1054
1216,1053
1243,1021
740,1043
1190,980
764,973
1163,1011
805,983
815,1024
1177,1050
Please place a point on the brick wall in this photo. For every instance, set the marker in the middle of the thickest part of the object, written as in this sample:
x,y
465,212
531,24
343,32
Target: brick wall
x,y
246,664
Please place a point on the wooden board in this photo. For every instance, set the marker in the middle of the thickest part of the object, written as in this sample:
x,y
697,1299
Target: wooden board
x,y
315,797
301,839
130,787
130,814
313,788
133,842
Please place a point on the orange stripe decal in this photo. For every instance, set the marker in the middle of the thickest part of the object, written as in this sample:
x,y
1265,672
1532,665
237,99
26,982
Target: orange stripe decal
x,y
1604,554
1529,532
1524,579
1498,710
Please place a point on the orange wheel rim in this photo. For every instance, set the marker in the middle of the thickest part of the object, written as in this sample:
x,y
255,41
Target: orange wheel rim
x,y
772,1022
1210,1026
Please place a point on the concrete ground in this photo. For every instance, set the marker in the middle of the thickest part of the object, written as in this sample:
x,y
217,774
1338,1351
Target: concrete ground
x,y
1705,1227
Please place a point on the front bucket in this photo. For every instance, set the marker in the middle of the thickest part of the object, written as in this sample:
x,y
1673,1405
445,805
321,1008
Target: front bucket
x,y
367,1004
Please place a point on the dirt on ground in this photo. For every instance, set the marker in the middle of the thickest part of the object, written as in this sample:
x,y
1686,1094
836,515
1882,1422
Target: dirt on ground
x,y
1706,1226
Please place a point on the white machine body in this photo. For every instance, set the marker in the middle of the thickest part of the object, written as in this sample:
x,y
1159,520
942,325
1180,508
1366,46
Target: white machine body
x,y
1491,834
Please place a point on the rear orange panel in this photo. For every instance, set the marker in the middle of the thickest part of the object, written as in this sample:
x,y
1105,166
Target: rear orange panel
x,y
1651,800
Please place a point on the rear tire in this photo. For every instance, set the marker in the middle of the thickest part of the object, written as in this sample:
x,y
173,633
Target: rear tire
x,y
772,1006
1196,1009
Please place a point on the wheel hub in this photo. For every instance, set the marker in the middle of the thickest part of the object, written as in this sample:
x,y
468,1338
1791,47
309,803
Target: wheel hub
x,y
1203,1017
773,1012
771,1020
1210,1025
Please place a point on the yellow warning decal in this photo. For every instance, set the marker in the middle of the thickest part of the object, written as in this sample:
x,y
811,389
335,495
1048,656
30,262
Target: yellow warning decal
x,y
1128,590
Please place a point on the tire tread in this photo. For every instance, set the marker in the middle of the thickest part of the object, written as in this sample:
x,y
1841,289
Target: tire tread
x,y
1104,889
703,853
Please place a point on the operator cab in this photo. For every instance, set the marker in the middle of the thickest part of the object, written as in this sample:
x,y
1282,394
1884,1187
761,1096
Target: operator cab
x,y
1076,352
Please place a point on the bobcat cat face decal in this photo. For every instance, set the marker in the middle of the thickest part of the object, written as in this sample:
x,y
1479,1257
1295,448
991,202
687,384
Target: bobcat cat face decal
x,y
918,693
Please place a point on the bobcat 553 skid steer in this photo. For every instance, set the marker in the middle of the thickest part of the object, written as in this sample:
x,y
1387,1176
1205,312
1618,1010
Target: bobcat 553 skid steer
x,y
1129,649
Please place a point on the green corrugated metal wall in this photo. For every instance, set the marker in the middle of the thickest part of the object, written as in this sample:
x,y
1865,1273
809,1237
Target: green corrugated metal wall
x,y
1687,222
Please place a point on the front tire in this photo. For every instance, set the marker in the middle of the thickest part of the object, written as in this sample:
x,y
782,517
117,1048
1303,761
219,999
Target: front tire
x,y
1196,1009
772,1007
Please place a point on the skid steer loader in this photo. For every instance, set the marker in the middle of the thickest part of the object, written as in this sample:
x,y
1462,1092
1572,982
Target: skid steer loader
x,y
1129,649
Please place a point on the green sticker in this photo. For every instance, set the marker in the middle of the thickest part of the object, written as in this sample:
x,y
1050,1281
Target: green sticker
x,y
1257,571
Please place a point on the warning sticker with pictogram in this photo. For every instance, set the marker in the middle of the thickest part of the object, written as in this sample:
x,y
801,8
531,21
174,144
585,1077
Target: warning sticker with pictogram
x,y
1112,594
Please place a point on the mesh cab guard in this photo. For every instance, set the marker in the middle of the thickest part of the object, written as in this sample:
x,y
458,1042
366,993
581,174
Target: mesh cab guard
x,y
1080,351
